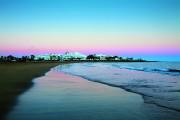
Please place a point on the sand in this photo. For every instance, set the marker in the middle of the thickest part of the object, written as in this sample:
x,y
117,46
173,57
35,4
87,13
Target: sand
x,y
15,78
59,96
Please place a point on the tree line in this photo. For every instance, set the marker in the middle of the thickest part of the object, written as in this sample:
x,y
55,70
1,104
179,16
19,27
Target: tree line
x,y
11,58
91,57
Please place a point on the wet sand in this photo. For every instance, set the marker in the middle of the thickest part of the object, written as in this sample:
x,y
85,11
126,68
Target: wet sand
x,y
15,78
59,96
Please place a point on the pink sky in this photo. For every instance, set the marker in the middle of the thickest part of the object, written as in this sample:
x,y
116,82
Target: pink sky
x,y
116,44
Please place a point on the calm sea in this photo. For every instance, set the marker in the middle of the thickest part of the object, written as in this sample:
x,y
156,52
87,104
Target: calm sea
x,y
103,91
157,82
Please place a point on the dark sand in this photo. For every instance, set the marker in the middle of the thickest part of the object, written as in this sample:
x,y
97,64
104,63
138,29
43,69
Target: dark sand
x,y
15,78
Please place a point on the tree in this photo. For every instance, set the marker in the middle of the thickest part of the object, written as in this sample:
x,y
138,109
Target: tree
x,y
32,57
108,58
120,58
25,58
1,58
10,58
90,57
130,59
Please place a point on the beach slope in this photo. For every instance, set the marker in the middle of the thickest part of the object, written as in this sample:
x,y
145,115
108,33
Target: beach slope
x,y
15,78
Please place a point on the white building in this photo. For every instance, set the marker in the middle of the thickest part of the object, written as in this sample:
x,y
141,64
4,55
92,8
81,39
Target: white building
x,y
101,56
73,56
42,57
66,56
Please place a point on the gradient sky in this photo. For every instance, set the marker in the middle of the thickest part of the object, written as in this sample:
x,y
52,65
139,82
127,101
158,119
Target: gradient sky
x,y
137,28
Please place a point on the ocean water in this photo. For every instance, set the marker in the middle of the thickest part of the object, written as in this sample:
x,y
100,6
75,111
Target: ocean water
x,y
68,92
157,82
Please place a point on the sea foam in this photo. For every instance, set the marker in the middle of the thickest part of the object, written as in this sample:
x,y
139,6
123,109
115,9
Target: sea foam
x,y
155,87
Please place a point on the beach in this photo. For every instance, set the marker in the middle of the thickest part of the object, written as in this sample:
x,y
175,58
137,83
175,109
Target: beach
x,y
61,95
89,60
157,82
84,91
15,78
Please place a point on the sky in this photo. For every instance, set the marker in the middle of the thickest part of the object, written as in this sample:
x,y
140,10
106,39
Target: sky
x,y
138,28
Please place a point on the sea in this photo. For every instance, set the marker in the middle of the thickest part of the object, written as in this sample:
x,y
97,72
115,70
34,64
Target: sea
x,y
157,82
103,91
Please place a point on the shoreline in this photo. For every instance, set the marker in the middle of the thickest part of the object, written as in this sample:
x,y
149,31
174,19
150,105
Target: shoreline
x,y
77,61
70,95
16,78
75,94
127,90
30,71
142,95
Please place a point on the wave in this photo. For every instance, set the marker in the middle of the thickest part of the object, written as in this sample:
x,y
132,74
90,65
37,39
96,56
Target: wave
x,y
155,88
146,69
150,99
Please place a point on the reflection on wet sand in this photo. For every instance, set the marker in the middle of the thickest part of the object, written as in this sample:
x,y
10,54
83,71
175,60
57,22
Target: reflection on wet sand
x,y
58,96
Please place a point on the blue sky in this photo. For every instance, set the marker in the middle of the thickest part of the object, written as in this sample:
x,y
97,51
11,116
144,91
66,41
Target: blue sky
x,y
144,25
99,13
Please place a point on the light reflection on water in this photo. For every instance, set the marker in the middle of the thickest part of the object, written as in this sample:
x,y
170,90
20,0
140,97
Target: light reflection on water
x,y
59,96
157,87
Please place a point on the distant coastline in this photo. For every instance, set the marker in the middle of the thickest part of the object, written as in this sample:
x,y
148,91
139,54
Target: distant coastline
x,y
20,71
70,57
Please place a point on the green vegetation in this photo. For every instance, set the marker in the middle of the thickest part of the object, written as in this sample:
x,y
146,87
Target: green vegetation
x,y
89,58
